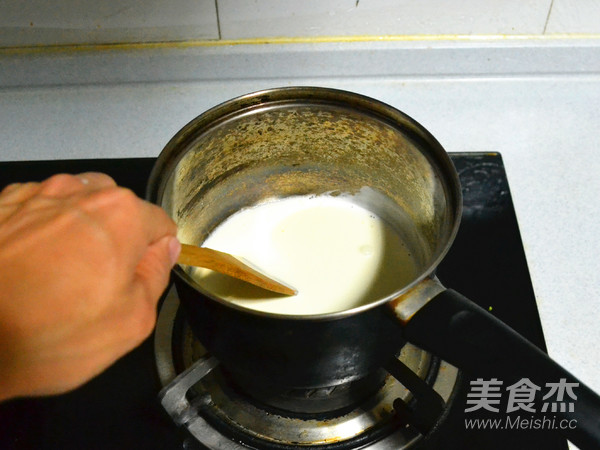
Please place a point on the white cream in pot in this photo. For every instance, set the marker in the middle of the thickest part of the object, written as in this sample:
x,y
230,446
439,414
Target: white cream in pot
x,y
337,254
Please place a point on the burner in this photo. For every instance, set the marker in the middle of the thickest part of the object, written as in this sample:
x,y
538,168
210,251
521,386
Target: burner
x,y
198,394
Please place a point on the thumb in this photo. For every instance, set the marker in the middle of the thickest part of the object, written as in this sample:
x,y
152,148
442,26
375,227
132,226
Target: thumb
x,y
152,272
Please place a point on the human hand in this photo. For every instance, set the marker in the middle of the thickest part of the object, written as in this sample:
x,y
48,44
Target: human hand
x,y
82,265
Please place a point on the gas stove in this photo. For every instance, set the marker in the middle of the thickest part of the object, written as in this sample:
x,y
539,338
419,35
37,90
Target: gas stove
x,y
170,394
218,414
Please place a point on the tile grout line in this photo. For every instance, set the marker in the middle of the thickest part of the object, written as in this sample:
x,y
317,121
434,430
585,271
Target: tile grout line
x,y
219,20
296,41
547,17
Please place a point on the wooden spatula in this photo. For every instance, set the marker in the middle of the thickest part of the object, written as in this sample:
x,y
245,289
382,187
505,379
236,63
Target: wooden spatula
x,y
227,264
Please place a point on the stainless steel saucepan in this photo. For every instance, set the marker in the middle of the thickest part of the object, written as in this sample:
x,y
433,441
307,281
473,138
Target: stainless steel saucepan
x,y
306,140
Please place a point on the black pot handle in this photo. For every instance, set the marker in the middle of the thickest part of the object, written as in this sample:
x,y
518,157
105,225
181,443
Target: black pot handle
x,y
465,335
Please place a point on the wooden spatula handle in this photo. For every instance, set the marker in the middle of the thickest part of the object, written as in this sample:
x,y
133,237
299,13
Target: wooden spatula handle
x,y
227,264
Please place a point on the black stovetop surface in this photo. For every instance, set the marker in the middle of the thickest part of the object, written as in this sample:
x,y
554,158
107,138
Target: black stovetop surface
x,y
119,409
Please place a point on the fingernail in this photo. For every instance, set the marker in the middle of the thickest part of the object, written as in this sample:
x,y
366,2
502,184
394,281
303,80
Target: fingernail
x,y
174,249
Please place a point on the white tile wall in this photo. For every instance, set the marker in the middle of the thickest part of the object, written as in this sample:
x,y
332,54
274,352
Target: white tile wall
x,y
41,22
574,16
275,18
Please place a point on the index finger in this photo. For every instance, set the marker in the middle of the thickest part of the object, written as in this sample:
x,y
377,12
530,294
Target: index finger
x,y
156,225
157,222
